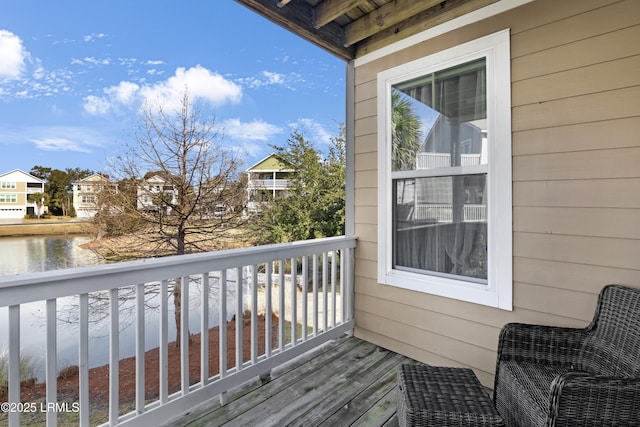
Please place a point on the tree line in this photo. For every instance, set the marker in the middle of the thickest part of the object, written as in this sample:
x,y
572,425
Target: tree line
x,y
186,150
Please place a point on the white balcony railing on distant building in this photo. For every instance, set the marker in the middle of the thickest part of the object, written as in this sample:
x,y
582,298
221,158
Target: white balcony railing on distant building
x,y
307,285
444,213
268,184
443,160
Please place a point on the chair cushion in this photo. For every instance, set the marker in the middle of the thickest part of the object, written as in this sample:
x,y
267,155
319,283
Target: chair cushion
x,y
523,389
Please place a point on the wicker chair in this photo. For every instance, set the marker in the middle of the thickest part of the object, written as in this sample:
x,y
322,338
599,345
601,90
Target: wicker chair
x,y
550,376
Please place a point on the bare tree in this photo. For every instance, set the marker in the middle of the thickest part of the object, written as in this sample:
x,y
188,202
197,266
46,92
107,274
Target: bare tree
x,y
178,189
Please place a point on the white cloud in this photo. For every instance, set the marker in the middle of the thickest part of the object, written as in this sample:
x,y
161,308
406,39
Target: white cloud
x,y
201,84
313,130
270,78
96,106
58,138
12,56
95,61
257,130
93,37
59,144
123,93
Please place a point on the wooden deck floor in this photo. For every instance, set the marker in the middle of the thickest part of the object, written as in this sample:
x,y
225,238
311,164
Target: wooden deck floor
x,y
345,382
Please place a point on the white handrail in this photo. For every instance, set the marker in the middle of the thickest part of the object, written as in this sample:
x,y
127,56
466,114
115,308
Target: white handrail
x,y
331,300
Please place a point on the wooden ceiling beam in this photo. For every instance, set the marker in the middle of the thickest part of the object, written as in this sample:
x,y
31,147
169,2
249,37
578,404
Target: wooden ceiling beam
x,y
421,22
384,17
328,10
282,3
297,18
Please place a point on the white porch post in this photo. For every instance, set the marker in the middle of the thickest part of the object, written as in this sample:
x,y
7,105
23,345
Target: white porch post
x,y
350,151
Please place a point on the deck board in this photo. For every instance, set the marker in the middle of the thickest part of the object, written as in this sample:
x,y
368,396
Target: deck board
x,y
346,382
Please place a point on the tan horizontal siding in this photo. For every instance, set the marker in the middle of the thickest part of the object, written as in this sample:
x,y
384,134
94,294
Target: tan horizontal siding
x,y
366,178
569,276
366,161
576,305
457,328
576,190
594,193
366,143
365,269
595,222
617,74
594,164
620,253
366,91
365,126
619,133
366,108
594,107
368,214
598,49
366,197
459,351
366,232
591,21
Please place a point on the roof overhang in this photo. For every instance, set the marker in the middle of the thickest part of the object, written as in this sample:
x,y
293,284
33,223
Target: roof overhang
x,y
352,28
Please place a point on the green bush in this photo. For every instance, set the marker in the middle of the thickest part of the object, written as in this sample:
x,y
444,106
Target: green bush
x,y
27,368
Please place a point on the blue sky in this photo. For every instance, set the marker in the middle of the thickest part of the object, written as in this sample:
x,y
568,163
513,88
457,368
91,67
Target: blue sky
x,y
74,74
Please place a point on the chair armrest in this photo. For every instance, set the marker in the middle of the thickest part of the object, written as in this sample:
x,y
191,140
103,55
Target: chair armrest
x,y
585,400
540,344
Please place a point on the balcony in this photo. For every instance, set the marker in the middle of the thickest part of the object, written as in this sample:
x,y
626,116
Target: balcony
x,y
268,184
303,291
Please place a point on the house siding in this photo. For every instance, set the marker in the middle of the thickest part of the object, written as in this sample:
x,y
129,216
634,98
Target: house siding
x,y
576,182
21,206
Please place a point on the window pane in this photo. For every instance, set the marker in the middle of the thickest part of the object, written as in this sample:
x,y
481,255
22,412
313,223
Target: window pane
x,y
439,120
440,225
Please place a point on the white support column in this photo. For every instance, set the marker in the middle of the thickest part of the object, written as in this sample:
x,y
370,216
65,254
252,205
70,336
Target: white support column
x,y
254,314
51,362
294,302
140,353
204,330
184,335
268,311
164,342
114,357
222,331
350,150
83,360
14,364
239,318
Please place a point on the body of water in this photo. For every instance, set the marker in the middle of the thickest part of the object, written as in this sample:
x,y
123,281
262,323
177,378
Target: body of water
x,y
20,255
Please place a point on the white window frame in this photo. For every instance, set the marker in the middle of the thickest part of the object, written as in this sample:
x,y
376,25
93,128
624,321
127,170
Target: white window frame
x,y
498,290
8,185
8,198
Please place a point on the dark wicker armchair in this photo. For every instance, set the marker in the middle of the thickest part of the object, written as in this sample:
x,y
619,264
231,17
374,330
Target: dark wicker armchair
x,y
549,376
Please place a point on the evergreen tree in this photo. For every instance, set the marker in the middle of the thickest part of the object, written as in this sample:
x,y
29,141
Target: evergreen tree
x,y
315,204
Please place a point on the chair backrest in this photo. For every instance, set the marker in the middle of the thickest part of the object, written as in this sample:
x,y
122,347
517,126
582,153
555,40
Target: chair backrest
x,y
613,346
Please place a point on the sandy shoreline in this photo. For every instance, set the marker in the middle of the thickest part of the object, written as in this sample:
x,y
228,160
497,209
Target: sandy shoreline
x,y
46,227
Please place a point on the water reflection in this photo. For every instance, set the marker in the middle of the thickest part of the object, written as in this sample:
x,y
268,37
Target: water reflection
x,y
19,255
35,254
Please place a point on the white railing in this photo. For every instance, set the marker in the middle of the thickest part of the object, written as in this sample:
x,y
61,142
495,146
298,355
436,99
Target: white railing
x,y
302,290
268,184
444,213
443,160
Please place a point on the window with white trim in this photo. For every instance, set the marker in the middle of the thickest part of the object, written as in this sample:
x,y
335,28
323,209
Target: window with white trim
x,y
8,185
8,198
444,186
